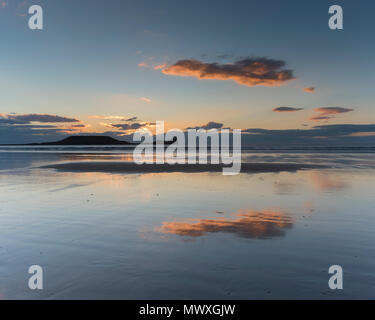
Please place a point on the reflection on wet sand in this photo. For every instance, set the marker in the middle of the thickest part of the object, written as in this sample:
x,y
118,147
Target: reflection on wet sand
x,y
325,181
258,225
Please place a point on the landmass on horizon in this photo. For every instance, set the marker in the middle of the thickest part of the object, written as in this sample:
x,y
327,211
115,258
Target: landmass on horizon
x,y
86,140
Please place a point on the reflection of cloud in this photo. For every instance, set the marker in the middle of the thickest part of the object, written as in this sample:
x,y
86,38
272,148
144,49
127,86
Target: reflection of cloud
x,y
327,182
249,72
259,225
309,206
286,109
284,187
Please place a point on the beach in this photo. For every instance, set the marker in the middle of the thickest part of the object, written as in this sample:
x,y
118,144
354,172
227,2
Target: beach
x,y
105,228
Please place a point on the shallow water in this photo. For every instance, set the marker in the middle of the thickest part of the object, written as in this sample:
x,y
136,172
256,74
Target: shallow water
x,y
187,235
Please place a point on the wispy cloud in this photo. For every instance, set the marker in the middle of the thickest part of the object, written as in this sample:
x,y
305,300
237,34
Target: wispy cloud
x,y
144,99
319,118
132,119
44,118
110,117
208,126
333,110
248,72
160,66
327,113
309,89
286,109
128,127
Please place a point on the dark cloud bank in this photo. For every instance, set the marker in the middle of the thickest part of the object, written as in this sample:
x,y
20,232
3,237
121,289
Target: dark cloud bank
x,y
18,129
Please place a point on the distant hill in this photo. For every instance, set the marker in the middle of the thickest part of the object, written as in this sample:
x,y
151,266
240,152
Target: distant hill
x,y
86,140
90,140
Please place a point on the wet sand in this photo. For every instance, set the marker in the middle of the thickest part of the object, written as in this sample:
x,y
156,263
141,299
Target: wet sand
x,y
128,235
130,167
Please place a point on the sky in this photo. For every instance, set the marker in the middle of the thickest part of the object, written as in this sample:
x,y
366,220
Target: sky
x,y
271,68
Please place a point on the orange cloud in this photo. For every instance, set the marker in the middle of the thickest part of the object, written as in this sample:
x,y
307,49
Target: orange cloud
x,y
160,66
327,113
249,72
363,134
265,224
309,89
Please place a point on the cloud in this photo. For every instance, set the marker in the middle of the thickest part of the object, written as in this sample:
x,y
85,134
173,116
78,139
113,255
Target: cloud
x,y
327,113
248,72
132,119
3,4
334,135
47,118
143,65
11,121
318,118
309,89
333,110
160,66
225,56
286,109
363,134
145,100
25,128
109,117
258,225
127,126
208,126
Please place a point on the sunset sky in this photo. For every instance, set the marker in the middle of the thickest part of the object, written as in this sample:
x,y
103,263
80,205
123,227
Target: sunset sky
x,y
266,67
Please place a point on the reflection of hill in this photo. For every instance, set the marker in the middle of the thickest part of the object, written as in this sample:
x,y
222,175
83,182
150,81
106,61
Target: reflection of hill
x,y
260,225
